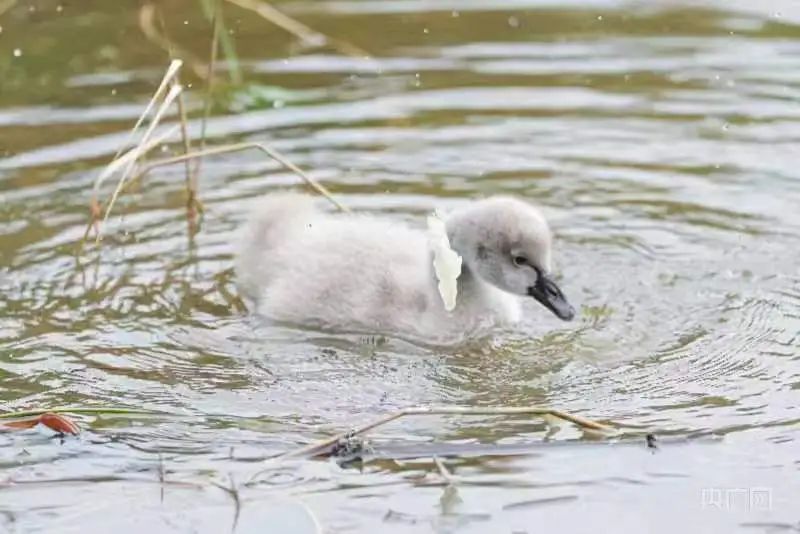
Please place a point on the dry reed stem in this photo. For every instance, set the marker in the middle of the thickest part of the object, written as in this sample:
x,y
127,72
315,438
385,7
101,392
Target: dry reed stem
x,y
319,446
271,152
145,144
212,64
95,210
193,204
95,214
187,143
309,36
5,5
147,15
136,153
169,75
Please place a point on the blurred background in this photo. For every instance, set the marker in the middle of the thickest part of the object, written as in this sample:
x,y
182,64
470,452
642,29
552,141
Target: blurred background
x,y
660,137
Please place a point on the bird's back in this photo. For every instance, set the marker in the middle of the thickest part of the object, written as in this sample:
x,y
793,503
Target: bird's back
x,y
333,270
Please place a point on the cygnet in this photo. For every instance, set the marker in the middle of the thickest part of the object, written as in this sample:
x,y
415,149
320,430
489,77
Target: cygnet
x,y
361,273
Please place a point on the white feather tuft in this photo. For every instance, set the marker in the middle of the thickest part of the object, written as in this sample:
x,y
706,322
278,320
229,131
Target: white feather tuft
x,y
446,262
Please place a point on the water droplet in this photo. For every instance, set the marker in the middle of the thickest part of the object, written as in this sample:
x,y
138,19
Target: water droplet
x,y
17,52
513,22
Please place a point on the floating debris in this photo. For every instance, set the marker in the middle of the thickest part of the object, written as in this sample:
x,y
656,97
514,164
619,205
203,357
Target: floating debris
x,y
350,449
59,423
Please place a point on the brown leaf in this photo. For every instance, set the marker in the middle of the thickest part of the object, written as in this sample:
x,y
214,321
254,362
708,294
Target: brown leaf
x,y
59,423
25,423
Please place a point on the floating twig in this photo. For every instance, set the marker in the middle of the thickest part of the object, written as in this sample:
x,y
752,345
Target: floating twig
x,y
443,471
450,498
322,445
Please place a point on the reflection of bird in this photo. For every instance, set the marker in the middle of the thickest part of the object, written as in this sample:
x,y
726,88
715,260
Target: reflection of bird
x,y
363,273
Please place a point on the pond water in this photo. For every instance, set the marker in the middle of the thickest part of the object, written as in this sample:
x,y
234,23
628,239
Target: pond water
x,y
661,138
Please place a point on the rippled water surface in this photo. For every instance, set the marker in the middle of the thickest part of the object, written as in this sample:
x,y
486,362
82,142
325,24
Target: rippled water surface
x,y
662,139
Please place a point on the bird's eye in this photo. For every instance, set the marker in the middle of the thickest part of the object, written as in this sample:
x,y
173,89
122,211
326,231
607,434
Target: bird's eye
x,y
520,261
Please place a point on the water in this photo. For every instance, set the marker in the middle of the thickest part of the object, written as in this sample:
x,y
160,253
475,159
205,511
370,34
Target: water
x,y
661,138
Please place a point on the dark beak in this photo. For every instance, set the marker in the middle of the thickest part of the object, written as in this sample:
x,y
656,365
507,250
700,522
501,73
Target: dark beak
x,y
550,296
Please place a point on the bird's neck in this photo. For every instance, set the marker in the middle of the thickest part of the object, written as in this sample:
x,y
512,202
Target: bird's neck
x,y
472,286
